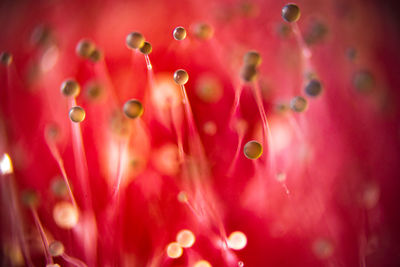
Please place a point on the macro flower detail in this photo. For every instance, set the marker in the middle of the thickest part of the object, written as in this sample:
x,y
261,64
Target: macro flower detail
x,y
199,133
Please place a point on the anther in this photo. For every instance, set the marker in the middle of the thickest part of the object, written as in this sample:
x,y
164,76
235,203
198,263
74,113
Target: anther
x,y
6,166
146,48
59,187
185,238
283,30
281,108
6,58
94,91
253,150
203,31
323,248
182,197
363,81
41,35
181,77
70,87
237,240
316,33
56,248
134,40
281,177
179,33
96,55
30,198
291,13
202,263
85,48
77,114
298,104
249,73
65,215
52,131
133,109
313,88
252,58
209,89
174,250
351,53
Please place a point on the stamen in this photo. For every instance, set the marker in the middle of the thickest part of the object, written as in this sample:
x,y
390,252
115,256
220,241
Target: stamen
x,y
133,109
96,55
72,260
174,250
9,194
70,88
56,155
134,40
240,127
146,48
291,13
298,104
253,150
56,248
252,58
6,166
39,226
202,263
77,114
179,33
237,240
6,58
313,88
65,215
181,77
203,31
85,48
185,238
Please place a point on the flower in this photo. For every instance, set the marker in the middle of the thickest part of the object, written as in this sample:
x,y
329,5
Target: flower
x,y
212,133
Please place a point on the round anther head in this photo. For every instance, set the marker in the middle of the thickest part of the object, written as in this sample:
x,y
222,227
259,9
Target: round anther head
x,y
298,104
313,88
179,33
6,58
65,215
253,150
30,198
252,58
77,114
203,31
181,77
363,81
134,40
133,109
146,48
85,48
59,187
94,90
185,238
237,240
202,263
96,55
56,248
41,35
70,87
249,73
291,13
174,250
